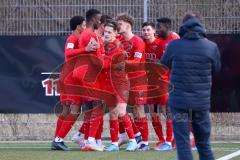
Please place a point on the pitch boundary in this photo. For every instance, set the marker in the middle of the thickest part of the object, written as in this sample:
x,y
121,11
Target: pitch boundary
x,y
230,156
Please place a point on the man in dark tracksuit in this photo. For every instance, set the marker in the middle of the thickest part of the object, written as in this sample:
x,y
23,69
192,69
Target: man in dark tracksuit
x,y
192,60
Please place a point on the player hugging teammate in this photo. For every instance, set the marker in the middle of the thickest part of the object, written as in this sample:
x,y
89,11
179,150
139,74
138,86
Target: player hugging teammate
x,y
115,78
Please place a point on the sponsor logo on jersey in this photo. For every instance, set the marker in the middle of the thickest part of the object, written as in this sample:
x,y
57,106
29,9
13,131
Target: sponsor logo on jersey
x,y
151,56
126,45
109,47
138,54
155,47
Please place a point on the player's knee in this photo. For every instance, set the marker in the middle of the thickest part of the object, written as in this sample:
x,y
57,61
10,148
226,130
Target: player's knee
x,y
75,109
140,111
153,115
113,114
121,113
65,111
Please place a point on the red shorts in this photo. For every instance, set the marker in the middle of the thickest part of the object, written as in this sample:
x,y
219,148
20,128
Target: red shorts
x,y
138,95
77,100
162,100
74,99
138,89
160,95
113,88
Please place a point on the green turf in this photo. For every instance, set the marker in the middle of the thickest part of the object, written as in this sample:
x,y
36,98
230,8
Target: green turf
x,y
41,151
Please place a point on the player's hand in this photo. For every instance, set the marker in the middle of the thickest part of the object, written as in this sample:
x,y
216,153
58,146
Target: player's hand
x,y
93,45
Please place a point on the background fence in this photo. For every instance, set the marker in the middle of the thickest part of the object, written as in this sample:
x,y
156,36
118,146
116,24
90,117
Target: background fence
x,y
51,17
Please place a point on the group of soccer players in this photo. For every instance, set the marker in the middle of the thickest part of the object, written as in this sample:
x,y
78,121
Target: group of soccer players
x,y
113,42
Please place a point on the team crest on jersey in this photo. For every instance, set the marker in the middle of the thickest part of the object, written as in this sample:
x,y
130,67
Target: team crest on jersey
x,y
155,47
126,45
109,47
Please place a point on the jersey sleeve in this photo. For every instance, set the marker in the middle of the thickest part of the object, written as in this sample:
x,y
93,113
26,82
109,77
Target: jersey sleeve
x,y
175,36
71,47
139,52
74,52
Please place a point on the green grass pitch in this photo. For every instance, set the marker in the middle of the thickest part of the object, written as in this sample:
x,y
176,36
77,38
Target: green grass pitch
x,y
41,151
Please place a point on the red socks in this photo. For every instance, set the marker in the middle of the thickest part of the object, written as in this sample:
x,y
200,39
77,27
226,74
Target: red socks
x,y
67,125
87,117
157,126
127,125
95,121
121,128
81,129
142,125
134,125
59,124
114,127
169,130
100,129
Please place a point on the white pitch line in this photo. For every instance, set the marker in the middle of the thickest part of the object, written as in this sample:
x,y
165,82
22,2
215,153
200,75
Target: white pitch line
x,y
50,73
230,156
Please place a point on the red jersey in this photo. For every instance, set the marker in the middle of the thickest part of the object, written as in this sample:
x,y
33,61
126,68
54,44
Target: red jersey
x,y
85,38
170,37
114,80
71,47
135,49
163,99
154,51
71,50
111,49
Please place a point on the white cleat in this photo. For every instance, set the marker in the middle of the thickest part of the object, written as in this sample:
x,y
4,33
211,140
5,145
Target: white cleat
x,y
122,141
92,147
78,138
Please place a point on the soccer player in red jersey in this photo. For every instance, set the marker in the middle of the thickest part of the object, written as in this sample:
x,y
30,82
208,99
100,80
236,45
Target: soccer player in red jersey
x,y
103,20
89,35
164,32
70,103
163,29
79,136
135,49
153,45
116,82
154,52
